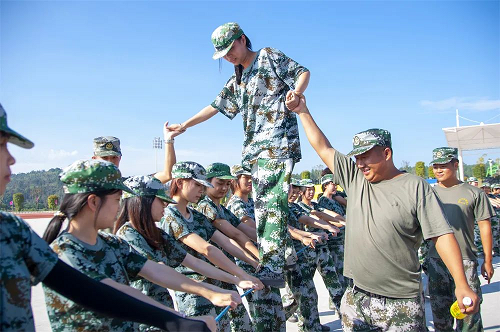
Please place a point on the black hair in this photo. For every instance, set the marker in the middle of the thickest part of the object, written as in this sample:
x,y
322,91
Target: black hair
x,y
71,205
238,69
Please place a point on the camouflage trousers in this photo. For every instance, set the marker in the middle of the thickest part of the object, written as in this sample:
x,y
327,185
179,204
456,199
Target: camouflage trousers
x,y
270,181
337,252
423,251
326,268
194,305
363,311
236,320
442,293
301,284
495,231
266,309
477,239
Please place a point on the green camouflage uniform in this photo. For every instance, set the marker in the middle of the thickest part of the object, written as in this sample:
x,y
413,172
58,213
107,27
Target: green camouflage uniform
x,y
111,258
177,226
271,144
495,224
266,308
25,261
336,243
325,263
237,319
300,281
386,222
464,205
171,255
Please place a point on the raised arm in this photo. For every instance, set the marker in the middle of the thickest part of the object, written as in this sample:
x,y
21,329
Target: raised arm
x,y
168,135
315,136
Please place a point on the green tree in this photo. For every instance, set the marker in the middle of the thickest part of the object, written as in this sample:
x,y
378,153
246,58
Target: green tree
x,y
305,175
420,169
431,173
18,199
52,202
405,166
479,170
316,173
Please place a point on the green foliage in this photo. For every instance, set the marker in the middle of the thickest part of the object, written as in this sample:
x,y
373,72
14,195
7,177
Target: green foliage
x,y
316,173
420,169
431,173
405,166
33,185
479,171
305,175
52,202
18,199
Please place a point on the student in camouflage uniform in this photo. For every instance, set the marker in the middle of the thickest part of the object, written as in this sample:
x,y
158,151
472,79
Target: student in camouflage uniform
x,y
25,260
107,148
464,205
324,261
336,244
271,147
194,231
495,221
219,175
93,190
266,308
388,214
136,225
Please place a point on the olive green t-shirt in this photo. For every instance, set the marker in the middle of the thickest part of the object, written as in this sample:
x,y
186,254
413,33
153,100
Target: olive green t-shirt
x,y
463,205
384,228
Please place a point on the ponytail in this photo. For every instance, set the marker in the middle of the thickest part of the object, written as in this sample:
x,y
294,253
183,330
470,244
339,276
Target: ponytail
x,y
71,205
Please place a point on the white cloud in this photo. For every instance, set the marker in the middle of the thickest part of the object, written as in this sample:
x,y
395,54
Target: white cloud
x,y
462,103
60,154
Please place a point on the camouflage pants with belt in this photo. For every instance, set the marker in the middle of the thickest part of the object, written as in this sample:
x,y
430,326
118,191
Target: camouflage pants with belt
x,y
326,268
301,284
369,312
442,293
266,309
270,181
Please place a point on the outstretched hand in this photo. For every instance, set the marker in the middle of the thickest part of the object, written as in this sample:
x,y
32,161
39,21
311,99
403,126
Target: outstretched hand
x,y
171,131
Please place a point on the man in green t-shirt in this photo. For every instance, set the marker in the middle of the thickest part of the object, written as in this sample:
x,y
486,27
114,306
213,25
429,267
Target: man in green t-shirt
x,y
388,214
463,205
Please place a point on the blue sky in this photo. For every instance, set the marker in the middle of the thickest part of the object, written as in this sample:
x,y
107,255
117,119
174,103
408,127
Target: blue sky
x,y
75,70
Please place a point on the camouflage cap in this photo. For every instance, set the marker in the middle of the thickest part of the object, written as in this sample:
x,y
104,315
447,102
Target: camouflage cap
x,y
219,171
495,186
14,137
485,184
237,170
223,38
295,182
443,155
105,146
327,178
471,179
190,170
306,183
146,186
367,139
94,175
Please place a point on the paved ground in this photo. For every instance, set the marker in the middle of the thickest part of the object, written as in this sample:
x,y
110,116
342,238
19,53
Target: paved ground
x,y
490,308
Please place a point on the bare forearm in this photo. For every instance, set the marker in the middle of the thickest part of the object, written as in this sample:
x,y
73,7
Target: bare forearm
x,y
486,239
217,257
302,82
248,230
170,159
234,249
208,270
203,115
341,200
247,244
449,251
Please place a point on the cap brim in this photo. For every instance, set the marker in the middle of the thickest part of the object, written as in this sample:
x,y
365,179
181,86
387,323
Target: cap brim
x,y
220,54
205,183
226,177
360,150
166,198
108,154
125,188
18,139
441,161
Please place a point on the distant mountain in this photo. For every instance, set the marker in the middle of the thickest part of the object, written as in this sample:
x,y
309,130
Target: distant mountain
x,y
33,185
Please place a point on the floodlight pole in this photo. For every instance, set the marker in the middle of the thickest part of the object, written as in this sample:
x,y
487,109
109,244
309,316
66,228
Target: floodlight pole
x,y
157,145
460,158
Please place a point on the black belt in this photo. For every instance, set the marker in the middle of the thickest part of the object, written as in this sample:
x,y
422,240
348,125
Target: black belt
x,y
360,290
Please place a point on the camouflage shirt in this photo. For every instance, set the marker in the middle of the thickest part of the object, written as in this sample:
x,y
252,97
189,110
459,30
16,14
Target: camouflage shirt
x,y
307,210
332,205
177,226
294,213
271,130
110,257
213,211
240,208
172,255
26,260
